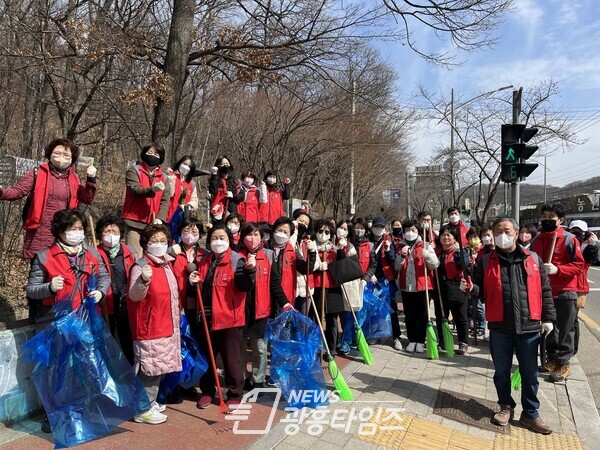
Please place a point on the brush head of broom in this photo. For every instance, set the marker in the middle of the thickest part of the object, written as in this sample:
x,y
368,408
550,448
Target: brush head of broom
x,y
363,347
431,342
515,379
339,382
448,339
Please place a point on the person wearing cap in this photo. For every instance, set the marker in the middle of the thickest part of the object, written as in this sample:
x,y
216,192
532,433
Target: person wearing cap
x,y
588,241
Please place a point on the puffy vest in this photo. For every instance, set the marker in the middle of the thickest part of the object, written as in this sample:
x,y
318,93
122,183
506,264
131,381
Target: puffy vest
x,y
56,262
39,194
364,255
152,317
273,209
176,198
140,209
419,262
492,288
262,283
221,194
128,261
228,303
181,273
330,257
249,208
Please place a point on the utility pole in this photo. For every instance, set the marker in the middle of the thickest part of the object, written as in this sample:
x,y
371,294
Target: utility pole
x,y
545,171
515,187
408,208
452,174
351,206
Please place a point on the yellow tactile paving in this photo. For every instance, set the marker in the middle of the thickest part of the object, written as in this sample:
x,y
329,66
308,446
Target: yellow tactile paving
x,y
415,434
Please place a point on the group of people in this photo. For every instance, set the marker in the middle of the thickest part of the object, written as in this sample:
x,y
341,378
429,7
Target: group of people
x,y
251,261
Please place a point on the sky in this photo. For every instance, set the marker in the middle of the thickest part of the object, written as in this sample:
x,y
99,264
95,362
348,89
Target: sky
x,y
539,40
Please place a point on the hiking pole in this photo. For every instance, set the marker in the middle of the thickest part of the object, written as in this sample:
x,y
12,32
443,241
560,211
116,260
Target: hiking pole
x,y
361,342
95,244
430,338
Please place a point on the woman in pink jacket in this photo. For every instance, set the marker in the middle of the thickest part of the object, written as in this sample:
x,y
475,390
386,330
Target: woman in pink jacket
x,y
154,314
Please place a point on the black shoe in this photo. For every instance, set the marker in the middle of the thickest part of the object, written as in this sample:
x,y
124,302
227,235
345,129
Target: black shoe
x,y
269,382
248,384
46,425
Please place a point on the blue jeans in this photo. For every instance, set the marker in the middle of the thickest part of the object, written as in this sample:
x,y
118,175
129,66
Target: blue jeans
x,y
502,346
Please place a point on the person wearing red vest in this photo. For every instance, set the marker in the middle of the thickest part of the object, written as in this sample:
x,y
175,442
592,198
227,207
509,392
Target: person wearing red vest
x,y
248,208
564,267
147,195
118,259
272,196
234,223
224,280
451,273
261,301
365,251
396,233
184,194
411,262
454,221
223,189
154,315
60,273
515,288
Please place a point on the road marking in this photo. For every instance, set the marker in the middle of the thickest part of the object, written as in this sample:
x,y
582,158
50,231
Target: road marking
x,y
594,289
588,320
591,281
595,268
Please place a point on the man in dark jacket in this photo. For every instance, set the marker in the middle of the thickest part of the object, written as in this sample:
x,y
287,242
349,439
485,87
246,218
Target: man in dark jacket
x,y
513,284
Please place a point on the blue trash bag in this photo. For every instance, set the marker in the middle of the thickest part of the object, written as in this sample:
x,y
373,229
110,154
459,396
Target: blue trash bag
x,y
174,223
194,364
295,341
376,303
349,333
85,383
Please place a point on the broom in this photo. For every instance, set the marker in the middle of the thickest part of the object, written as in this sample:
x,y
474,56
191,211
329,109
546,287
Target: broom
x,y
515,380
446,331
334,372
361,342
430,338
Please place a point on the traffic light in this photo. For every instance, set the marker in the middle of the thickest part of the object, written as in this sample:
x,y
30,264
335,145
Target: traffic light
x,y
515,152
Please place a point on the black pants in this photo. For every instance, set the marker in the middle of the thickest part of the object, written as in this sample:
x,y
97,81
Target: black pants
x,y
396,333
119,324
227,343
576,330
415,315
458,308
560,344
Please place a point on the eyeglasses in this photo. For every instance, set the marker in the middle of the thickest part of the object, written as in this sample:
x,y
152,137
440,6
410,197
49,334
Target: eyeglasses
x,y
61,155
163,242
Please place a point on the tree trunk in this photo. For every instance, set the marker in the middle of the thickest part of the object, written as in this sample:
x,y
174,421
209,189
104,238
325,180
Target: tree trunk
x,y
181,36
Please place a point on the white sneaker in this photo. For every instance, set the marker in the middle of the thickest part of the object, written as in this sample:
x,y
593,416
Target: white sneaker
x,y
420,348
410,348
152,416
160,408
397,344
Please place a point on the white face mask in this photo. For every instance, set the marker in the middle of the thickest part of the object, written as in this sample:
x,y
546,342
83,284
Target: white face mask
x,y
184,169
410,236
360,233
157,250
234,228
111,240
281,238
271,180
219,246
378,231
61,163
248,181
74,237
504,241
341,233
486,240
454,218
322,237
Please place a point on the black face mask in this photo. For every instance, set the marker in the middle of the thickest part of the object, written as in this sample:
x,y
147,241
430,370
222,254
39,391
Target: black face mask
x,y
579,236
224,170
302,230
397,232
548,225
151,160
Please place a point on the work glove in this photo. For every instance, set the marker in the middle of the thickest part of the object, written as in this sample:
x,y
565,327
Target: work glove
x,y
387,245
57,283
404,250
311,246
214,170
175,249
424,253
158,186
157,222
194,278
547,328
466,285
96,295
551,268
250,261
456,247
229,194
341,243
323,266
90,172
288,306
591,240
146,273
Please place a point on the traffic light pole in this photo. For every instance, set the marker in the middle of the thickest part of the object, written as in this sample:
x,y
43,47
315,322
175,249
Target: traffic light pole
x,y
516,188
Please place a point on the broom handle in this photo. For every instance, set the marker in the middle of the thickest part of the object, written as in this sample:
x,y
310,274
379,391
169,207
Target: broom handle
x,y
552,245
426,283
95,244
307,306
323,291
349,304
312,302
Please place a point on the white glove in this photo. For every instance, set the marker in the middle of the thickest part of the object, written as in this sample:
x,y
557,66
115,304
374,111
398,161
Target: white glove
x,y
229,194
96,295
593,239
465,286
424,253
374,279
90,172
341,243
157,222
311,246
288,306
158,186
387,245
547,328
194,277
175,249
250,261
146,273
323,266
404,250
456,247
214,170
57,283
551,268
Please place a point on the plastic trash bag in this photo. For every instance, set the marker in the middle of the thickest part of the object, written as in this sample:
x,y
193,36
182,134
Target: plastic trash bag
x,y
174,223
295,366
85,383
194,364
376,302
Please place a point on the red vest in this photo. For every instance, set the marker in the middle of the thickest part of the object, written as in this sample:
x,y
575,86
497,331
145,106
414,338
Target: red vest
x,y
228,303
450,268
262,284
128,261
56,262
330,257
364,255
419,262
492,288
152,317
388,269
40,194
221,194
140,209
176,198
249,208
289,273
273,209
182,274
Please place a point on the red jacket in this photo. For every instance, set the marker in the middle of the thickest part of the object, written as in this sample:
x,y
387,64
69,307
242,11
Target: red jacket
x,y
273,209
492,288
262,284
249,207
128,262
152,318
419,262
330,257
180,186
140,209
388,269
228,302
567,258
583,286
